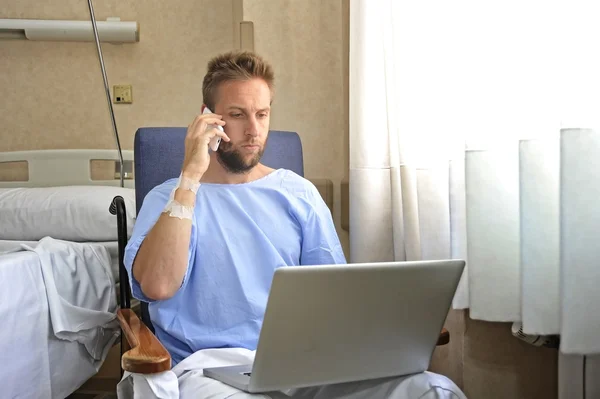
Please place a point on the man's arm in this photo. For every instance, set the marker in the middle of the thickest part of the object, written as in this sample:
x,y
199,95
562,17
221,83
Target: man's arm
x,y
160,263
162,259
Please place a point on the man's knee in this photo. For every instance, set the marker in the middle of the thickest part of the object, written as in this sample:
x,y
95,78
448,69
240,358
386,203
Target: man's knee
x,y
427,385
154,386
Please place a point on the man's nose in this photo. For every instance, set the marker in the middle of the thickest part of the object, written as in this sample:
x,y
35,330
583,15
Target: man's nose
x,y
252,128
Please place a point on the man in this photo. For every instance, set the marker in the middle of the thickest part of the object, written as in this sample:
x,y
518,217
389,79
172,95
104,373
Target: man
x,y
205,246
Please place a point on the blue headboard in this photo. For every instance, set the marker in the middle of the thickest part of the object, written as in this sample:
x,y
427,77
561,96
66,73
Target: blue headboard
x,y
159,152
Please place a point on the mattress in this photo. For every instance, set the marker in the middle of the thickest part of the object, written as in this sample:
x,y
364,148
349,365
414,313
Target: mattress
x,y
59,302
7,246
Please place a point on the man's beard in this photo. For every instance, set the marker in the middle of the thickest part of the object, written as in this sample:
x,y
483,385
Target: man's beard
x,y
233,161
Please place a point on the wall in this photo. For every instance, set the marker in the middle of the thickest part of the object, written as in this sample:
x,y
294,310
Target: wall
x,y
53,91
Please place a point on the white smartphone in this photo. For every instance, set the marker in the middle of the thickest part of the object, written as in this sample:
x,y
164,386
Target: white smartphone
x,y
215,141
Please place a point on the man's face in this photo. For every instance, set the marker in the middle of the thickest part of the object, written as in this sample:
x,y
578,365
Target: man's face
x,y
245,107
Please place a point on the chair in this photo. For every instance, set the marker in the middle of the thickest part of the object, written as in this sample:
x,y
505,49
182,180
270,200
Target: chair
x,y
158,156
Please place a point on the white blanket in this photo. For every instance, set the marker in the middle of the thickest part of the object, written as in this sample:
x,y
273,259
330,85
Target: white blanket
x,y
10,246
58,304
186,380
81,293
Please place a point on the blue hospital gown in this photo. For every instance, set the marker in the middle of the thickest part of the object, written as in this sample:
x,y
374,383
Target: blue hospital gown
x,y
241,233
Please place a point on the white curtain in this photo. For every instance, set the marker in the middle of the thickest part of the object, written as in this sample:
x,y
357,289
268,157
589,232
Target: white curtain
x,y
473,135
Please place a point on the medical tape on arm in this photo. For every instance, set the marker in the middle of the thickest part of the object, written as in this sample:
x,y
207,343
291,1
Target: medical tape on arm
x,y
175,208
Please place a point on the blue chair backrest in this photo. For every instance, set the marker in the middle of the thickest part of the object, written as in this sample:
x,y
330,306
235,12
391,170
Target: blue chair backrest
x,y
158,156
159,152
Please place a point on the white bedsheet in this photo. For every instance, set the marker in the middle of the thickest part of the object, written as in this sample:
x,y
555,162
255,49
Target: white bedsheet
x,y
7,246
187,381
57,306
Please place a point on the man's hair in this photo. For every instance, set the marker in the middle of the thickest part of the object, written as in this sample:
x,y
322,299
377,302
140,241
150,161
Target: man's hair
x,y
234,65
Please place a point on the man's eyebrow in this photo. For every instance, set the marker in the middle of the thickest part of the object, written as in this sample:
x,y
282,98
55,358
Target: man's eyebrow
x,y
244,109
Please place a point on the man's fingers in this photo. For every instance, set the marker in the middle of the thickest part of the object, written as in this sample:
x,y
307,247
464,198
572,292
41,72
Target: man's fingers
x,y
222,135
210,133
214,121
200,122
202,126
193,126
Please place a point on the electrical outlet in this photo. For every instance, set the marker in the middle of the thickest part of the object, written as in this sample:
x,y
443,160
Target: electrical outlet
x,y
122,94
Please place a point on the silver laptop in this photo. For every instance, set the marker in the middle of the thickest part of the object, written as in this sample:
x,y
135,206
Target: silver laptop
x,y
342,323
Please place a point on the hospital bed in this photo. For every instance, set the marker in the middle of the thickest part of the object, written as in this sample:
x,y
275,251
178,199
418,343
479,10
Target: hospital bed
x,y
158,157
58,270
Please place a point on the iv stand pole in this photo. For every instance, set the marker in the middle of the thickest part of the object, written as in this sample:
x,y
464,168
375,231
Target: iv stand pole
x,y
112,114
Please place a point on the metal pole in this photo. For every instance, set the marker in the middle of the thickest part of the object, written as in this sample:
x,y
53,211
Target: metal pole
x,y
112,114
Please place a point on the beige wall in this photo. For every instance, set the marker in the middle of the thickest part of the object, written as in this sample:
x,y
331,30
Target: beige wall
x,y
52,96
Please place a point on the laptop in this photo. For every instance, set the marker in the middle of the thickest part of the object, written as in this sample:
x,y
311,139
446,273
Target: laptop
x,y
341,323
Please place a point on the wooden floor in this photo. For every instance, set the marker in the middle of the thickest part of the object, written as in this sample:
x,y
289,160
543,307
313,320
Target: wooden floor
x,y
104,384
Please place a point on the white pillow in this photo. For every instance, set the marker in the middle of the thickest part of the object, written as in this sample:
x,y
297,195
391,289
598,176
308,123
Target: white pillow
x,y
72,213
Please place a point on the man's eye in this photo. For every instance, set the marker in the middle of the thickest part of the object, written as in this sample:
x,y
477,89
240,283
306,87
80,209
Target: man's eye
x,y
262,115
236,115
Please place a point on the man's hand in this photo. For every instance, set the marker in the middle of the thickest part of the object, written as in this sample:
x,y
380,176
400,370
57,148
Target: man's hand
x,y
198,137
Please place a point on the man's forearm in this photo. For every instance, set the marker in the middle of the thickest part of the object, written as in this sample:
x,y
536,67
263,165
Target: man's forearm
x,y
162,259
